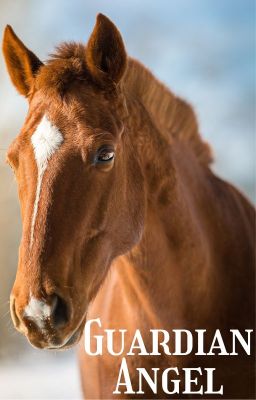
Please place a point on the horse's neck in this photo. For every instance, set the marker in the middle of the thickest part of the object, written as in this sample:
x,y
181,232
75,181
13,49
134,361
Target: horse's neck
x,y
164,271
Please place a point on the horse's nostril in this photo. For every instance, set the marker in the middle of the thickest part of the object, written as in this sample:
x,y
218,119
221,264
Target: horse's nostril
x,y
60,313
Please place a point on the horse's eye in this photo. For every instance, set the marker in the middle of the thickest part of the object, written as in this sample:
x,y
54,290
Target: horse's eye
x,y
105,155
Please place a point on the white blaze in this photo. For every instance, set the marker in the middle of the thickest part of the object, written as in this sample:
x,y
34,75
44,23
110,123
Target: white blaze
x,y
45,141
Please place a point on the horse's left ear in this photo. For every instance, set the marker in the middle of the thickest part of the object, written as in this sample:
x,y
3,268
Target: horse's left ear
x,y
21,63
105,54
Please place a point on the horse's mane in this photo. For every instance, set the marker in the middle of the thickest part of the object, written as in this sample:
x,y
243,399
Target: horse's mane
x,y
170,114
173,117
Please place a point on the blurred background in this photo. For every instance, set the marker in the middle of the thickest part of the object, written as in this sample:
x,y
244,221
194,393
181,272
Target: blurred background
x,y
204,50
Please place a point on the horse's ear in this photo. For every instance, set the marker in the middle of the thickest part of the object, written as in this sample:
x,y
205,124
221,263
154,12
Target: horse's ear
x,y
105,55
21,63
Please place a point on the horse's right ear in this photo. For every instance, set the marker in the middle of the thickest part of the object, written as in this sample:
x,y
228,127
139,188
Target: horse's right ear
x,y
21,63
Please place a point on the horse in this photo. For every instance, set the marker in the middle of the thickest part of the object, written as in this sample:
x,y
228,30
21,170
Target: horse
x,y
123,218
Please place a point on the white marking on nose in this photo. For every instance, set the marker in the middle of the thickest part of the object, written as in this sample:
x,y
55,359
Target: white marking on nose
x,y
39,311
45,141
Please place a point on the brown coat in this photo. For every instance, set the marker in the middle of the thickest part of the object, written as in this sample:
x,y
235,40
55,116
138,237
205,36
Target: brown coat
x,y
152,239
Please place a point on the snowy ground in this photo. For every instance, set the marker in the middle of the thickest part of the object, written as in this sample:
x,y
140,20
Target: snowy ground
x,y
40,375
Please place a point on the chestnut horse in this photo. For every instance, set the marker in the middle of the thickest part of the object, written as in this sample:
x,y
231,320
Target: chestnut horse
x,y
123,219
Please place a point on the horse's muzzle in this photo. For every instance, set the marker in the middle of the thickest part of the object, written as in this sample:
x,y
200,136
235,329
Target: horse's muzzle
x,y
45,321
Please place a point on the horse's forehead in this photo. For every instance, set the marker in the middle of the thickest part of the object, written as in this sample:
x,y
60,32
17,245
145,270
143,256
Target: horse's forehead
x,y
46,140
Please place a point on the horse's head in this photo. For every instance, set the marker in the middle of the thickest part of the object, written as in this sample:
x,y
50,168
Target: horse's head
x,y
79,181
